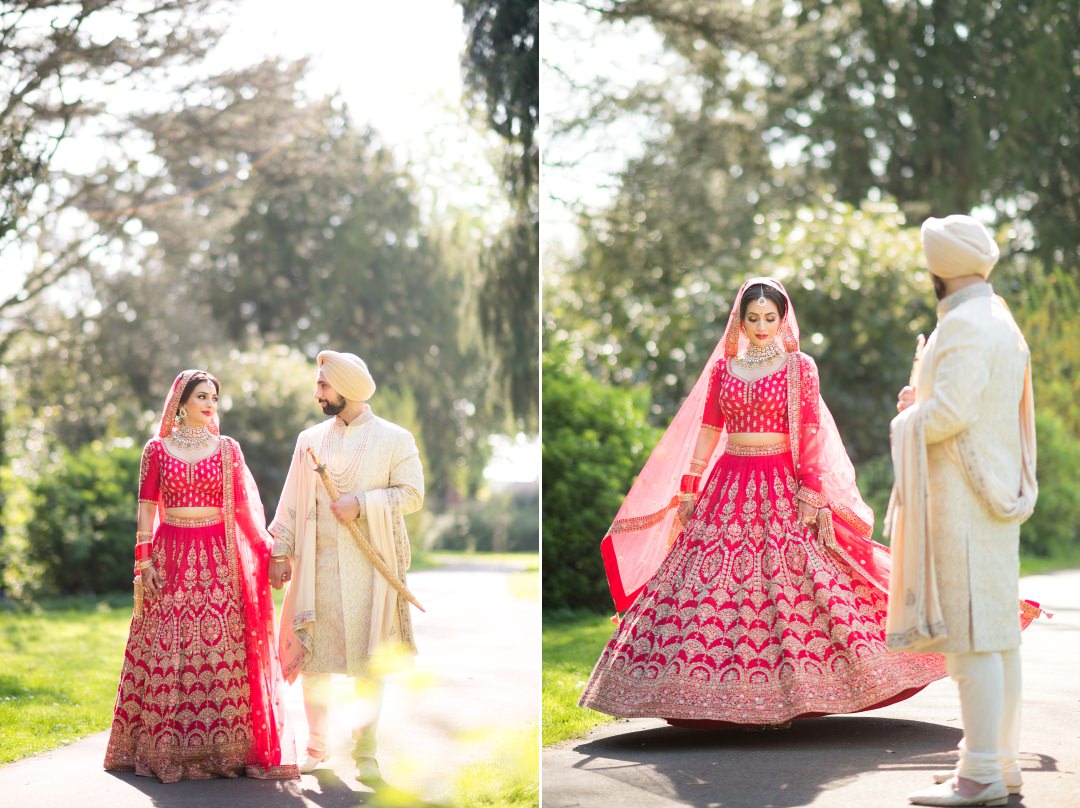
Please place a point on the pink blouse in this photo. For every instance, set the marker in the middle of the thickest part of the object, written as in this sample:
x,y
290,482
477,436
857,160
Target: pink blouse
x,y
741,406
180,484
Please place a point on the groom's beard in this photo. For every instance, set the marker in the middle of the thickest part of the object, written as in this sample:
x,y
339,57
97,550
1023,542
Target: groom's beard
x,y
334,408
939,286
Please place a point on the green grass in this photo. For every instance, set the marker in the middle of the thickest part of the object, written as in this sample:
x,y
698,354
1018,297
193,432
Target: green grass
x,y
61,667
525,585
1036,565
572,644
508,778
433,559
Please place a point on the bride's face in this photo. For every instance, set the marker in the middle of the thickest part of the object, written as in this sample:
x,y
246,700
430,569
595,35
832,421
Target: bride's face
x,y
201,405
761,322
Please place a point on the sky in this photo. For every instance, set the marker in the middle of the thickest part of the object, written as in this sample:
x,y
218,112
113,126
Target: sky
x,y
398,67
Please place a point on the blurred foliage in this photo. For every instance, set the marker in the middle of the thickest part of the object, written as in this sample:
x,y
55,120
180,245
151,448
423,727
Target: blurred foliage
x,y
502,74
942,106
596,439
1054,528
46,43
83,525
507,521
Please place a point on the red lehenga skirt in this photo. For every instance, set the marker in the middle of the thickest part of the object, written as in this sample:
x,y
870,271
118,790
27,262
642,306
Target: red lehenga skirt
x,y
183,706
750,620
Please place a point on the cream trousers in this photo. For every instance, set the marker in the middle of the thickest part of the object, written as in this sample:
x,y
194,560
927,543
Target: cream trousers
x,y
365,712
989,685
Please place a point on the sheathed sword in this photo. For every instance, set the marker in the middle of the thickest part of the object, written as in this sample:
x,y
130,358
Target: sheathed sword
x,y
362,542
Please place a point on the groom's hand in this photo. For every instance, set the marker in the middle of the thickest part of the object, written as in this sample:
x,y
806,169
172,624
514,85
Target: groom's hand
x,y
905,399
346,508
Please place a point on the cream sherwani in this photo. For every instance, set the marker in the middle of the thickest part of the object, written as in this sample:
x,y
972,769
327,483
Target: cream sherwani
x,y
337,610
969,384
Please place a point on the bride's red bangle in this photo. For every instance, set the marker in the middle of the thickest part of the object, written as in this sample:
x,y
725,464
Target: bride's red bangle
x,y
689,483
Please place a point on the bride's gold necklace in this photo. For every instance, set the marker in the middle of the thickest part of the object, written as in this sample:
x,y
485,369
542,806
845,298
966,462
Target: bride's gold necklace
x,y
191,437
757,356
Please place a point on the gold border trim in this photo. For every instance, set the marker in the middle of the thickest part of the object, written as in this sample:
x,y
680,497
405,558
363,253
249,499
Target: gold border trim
x,y
758,451
192,521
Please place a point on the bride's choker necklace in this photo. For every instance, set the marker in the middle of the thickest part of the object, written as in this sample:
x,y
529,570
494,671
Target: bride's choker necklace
x,y
191,437
757,356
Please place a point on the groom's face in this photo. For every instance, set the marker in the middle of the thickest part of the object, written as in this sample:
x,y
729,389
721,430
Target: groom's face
x,y
331,402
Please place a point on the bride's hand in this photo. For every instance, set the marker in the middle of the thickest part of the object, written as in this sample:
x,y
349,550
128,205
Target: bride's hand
x,y
151,582
686,510
808,514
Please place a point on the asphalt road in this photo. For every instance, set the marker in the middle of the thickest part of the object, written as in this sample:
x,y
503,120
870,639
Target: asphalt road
x,y
868,760
478,673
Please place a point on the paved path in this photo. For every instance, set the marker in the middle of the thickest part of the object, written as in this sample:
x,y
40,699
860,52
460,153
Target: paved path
x,y
870,760
478,670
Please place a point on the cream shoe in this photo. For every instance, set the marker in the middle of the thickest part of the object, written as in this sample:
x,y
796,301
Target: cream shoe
x,y
1013,782
945,795
312,760
367,771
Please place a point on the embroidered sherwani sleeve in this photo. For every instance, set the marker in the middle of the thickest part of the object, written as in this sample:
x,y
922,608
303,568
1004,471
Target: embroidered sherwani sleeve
x,y
284,527
961,376
404,492
406,479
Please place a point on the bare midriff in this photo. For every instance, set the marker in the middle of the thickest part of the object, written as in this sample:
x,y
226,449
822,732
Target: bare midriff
x,y
193,513
756,438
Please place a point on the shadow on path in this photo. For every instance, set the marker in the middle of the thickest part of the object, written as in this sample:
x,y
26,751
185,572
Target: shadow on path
x,y
323,788
732,768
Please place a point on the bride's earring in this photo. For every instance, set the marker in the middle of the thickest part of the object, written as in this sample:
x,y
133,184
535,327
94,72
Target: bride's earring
x,y
181,414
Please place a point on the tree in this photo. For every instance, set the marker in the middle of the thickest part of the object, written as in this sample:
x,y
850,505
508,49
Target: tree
x,y
502,70
941,106
60,59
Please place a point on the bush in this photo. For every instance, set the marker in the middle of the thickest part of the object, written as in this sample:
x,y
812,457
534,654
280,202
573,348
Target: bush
x,y
1054,528
875,479
508,522
82,533
596,439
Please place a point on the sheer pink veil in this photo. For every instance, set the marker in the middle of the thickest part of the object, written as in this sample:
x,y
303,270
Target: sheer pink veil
x,y
646,525
273,750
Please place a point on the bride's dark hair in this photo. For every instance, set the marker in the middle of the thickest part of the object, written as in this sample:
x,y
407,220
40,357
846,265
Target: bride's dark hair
x,y
759,290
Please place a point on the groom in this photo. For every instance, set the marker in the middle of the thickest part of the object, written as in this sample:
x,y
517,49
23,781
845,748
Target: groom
x,y
340,615
964,457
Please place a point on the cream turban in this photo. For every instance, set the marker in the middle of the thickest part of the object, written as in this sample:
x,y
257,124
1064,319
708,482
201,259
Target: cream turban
x,y
347,374
958,245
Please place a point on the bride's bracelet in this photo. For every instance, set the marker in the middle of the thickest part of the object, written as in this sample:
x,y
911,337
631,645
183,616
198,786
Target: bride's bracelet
x,y
689,483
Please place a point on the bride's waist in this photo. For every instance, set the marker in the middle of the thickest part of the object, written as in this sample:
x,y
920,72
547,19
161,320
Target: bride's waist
x,y
756,438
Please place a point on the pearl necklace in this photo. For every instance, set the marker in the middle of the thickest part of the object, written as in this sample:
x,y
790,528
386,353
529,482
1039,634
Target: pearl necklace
x,y
191,437
757,356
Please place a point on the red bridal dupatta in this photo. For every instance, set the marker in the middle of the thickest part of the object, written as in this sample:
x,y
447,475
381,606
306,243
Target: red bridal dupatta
x,y
646,525
272,753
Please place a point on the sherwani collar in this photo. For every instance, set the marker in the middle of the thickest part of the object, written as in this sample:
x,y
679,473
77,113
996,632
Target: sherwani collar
x,y
976,290
359,420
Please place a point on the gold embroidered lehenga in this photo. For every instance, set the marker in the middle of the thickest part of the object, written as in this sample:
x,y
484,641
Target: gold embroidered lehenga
x,y
201,693
751,617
